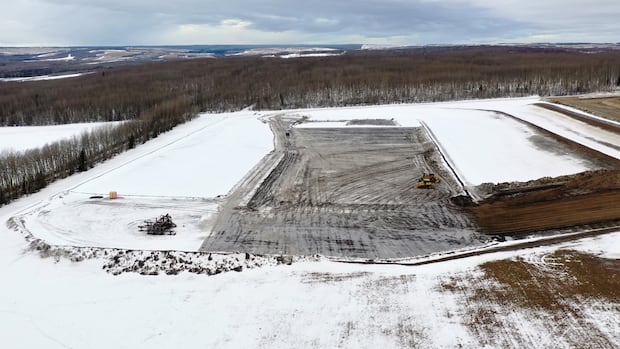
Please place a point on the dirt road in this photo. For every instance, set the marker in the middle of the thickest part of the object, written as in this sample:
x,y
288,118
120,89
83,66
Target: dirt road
x,y
348,192
606,107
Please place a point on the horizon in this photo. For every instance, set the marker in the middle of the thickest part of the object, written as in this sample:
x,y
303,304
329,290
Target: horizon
x,y
318,45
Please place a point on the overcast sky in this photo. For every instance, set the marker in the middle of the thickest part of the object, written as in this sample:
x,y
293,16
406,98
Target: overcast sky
x,y
383,22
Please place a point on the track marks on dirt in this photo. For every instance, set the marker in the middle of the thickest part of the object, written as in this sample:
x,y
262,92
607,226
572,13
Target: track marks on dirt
x,y
347,192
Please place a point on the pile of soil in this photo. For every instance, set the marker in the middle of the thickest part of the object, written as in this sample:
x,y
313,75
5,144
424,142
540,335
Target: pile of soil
x,y
550,203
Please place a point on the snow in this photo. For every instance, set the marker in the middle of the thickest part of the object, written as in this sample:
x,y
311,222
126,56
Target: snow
x,y
382,46
22,138
181,173
606,246
584,114
275,307
203,158
290,52
26,50
110,56
299,55
580,132
68,58
504,154
604,141
43,77
306,305
75,220
277,51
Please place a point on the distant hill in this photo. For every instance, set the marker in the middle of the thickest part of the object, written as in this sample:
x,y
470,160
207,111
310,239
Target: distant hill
x,y
16,62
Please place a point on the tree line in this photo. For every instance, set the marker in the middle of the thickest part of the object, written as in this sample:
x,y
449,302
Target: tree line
x,y
23,173
152,98
417,75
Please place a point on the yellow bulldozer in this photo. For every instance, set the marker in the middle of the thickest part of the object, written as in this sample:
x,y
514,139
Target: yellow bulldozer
x,y
428,181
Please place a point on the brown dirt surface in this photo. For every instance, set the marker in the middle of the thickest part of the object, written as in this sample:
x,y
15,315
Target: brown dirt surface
x,y
551,203
606,107
558,290
573,275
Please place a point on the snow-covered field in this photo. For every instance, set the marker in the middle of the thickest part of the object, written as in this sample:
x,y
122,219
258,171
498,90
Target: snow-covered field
x,y
75,220
43,77
55,303
580,132
204,158
48,304
291,52
300,55
22,138
180,173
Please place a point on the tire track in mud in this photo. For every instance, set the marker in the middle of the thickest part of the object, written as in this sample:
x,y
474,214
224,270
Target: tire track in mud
x,y
349,193
264,193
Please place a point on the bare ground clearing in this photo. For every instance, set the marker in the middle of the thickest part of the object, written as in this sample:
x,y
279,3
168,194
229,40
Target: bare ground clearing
x,y
347,193
560,293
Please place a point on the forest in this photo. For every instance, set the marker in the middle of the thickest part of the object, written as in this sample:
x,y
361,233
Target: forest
x,y
154,97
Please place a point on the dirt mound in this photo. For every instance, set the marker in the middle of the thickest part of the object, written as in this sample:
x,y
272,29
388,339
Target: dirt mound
x,y
371,122
584,182
550,203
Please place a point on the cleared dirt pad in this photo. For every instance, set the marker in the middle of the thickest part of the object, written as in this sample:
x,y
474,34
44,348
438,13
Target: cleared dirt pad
x,y
347,192
557,293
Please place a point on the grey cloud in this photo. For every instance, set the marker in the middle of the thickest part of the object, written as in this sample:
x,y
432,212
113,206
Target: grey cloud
x,y
450,21
123,20
366,18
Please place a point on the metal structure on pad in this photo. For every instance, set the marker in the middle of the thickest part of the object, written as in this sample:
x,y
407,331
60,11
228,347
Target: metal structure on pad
x,y
160,226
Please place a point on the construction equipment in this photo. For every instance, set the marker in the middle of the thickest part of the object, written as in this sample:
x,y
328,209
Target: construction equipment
x,y
428,181
160,226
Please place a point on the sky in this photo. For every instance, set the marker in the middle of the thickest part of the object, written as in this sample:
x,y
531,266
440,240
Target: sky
x,y
379,22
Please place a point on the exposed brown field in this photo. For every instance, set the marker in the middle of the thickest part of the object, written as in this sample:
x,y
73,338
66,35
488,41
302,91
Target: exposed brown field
x,y
555,279
586,198
608,107
558,291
